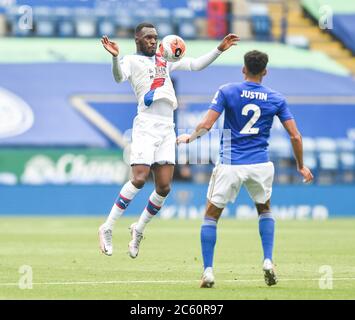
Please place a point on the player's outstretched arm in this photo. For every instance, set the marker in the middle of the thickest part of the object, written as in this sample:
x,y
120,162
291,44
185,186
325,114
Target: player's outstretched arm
x,y
197,64
203,127
228,41
110,46
297,146
113,48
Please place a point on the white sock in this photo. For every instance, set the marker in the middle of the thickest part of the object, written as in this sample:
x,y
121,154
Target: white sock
x,y
155,202
125,196
209,269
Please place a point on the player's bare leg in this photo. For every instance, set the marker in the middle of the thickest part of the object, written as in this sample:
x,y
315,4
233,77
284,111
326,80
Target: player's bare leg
x,y
127,193
208,241
266,229
163,175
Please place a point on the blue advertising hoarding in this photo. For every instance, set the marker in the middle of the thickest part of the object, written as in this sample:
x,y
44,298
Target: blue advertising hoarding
x,y
186,201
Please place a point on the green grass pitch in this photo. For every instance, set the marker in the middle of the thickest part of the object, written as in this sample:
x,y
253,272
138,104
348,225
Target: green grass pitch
x,y
66,263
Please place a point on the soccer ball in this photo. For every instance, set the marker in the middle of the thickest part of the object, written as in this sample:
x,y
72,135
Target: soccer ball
x,y
172,48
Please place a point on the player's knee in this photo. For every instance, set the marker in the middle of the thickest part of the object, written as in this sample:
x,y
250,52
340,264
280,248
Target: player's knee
x,y
139,181
212,211
163,190
263,207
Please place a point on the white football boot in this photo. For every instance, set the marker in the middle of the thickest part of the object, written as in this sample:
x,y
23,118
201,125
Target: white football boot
x,y
207,280
269,273
105,237
133,246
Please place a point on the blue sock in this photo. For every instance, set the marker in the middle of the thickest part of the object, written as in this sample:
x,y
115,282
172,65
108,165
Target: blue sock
x,y
266,230
208,240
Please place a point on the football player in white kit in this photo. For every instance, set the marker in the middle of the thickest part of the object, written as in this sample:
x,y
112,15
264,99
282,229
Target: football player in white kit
x,y
153,135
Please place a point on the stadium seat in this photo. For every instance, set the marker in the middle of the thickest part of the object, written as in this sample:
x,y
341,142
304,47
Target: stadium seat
x,y
65,22
201,173
347,160
140,15
298,41
44,21
125,22
324,144
280,146
85,22
309,144
261,23
310,156
328,160
161,20
184,23
105,22
310,160
345,145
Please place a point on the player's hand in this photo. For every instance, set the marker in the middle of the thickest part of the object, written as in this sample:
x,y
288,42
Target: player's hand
x,y
307,174
183,138
228,41
110,46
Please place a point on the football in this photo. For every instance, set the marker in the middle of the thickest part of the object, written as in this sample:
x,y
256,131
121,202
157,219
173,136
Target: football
x,y
172,48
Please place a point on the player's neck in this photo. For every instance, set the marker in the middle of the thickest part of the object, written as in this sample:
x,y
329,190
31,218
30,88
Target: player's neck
x,y
253,79
141,53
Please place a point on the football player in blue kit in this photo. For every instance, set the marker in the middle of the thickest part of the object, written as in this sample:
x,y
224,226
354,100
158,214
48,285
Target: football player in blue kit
x,y
249,108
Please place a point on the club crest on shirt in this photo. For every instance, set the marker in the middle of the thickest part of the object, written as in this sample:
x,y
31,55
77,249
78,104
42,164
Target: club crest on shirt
x,y
160,72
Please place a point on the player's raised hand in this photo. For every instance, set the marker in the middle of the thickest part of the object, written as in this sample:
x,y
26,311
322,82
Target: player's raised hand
x,y
110,46
183,138
306,173
228,41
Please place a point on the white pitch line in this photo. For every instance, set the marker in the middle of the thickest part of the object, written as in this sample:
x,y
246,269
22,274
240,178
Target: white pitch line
x,y
159,282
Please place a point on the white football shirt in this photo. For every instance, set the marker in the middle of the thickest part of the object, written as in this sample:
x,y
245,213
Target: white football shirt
x,y
150,78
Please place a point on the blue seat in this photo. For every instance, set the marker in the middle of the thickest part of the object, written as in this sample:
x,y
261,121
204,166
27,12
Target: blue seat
x,y
125,22
106,24
85,22
261,27
261,23
184,21
161,18
328,161
65,22
44,21
347,161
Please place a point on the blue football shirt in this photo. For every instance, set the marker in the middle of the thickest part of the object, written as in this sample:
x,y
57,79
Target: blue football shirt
x,y
249,109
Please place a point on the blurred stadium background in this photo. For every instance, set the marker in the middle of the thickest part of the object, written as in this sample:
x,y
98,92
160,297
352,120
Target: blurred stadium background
x,y
64,121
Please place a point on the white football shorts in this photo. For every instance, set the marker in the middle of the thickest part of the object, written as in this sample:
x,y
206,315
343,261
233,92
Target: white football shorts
x,y
226,181
153,140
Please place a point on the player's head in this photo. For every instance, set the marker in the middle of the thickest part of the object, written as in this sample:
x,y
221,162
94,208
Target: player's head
x,y
255,63
146,37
